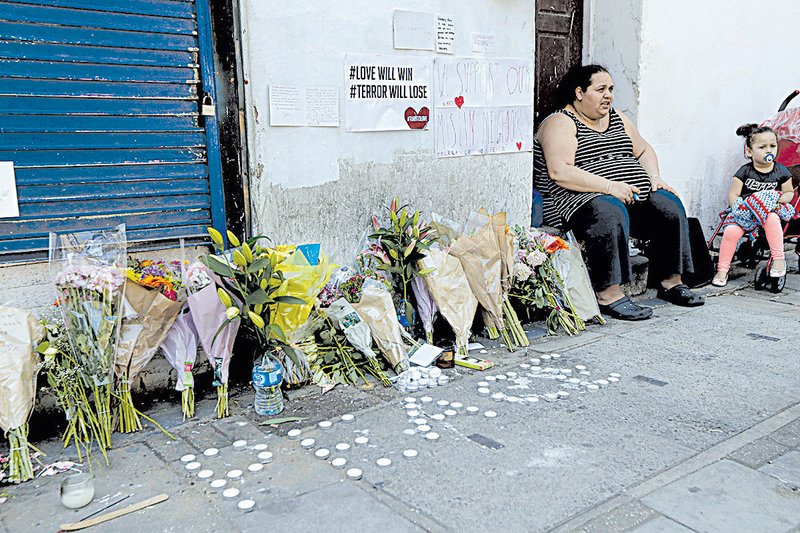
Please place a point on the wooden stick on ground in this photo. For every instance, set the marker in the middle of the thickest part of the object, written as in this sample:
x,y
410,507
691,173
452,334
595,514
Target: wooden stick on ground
x,y
114,514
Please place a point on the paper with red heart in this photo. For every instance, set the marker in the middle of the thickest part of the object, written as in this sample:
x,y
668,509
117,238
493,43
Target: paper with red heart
x,y
417,121
459,101
519,146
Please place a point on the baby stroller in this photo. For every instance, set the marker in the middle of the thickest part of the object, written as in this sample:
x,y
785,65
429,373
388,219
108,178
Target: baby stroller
x,y
786,124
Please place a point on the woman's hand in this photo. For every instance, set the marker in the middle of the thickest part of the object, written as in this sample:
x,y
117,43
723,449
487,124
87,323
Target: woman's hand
x,y
657,183
623,191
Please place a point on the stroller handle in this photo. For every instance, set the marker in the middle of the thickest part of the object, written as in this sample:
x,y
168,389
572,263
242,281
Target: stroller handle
x,y
788,99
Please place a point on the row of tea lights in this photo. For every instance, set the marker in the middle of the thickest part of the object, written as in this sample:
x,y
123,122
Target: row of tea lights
x,y
219,485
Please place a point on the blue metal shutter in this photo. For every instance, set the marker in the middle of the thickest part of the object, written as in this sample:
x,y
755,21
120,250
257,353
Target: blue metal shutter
x,y
99,113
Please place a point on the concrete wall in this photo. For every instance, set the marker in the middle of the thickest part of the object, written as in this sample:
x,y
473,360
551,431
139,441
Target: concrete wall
x,y
689,73
321,184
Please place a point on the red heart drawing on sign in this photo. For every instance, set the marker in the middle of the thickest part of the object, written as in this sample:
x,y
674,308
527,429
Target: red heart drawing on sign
x,y
417,121
459,101
519,146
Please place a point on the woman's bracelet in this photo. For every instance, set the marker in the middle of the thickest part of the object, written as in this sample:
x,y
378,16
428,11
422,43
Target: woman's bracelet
x,y
608,189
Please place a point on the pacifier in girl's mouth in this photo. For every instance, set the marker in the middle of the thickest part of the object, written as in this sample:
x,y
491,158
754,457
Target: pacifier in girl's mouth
x,y
769,158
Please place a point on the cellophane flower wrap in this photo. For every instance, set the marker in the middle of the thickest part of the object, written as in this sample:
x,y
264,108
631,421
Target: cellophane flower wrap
x,y
377,309
505,244
153,296
538,285
450,289
180,350
20,333
575,275
426,306
88,271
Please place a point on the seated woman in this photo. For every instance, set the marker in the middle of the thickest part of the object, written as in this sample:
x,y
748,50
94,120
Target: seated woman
x,y
599,178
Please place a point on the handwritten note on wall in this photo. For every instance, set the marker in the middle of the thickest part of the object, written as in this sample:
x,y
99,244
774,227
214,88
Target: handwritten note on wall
x,y
483,106
445,34
9,205
303,106
414,30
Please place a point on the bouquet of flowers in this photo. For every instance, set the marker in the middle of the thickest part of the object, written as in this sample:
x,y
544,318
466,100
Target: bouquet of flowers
x,y
152,295
248,286
377,310
89,282
20,333
450,289
537,283
400,246
180,350
505,243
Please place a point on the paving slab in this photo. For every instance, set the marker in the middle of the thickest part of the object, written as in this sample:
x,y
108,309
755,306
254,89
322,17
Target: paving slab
x,y
661,524
621,519
730,497
759,452
786,468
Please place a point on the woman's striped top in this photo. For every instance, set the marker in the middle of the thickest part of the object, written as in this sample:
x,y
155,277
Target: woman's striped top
x,y
608,154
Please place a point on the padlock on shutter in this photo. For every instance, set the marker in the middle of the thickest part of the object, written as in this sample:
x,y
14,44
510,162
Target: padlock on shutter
x,y
208,108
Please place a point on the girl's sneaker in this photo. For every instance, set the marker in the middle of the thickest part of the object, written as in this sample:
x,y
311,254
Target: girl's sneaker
x,y
778,268
720,279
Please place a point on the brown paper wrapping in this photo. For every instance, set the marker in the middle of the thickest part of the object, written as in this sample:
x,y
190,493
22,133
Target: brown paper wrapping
x,y
20,333
141,336
450,290
480,259
377,310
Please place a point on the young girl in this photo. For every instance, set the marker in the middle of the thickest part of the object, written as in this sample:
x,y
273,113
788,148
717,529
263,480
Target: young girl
x,y
762,173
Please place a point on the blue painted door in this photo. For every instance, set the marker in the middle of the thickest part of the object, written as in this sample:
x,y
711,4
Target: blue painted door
x,y
100,113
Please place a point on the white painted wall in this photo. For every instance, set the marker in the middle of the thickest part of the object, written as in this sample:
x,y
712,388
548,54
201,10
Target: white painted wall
x,y
321,184
692,74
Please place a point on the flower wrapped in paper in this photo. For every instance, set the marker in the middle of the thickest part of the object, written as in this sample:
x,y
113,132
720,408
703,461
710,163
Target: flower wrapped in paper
x,y
88,270
426,306
505,244
575,276
154,295
377,309
20,333
450,289
180,350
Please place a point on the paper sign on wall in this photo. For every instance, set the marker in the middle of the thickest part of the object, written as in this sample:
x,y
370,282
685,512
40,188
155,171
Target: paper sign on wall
x,y
386,92
445,34
483,106
303,106
9,206
414,30
482,42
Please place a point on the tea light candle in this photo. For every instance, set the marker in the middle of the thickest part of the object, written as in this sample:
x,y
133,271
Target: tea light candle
x,y
545,357
550,397
615,375
294,434
339,462
409,399
533,399
205,474
231,493
383,462
211,452
194,465
491,379
216,485
348,418
420,421
501,377
585,373
524,366
431,435
188,458
456,405
472,410
410,431
484,391
325,424
450,412
255,467
580,367
498,396
260,447
354,474
435,372
489,414
555,355
413,414
483,384
612,379
442,403
234,475
592,387
361,440
410,454
423,429
426,399
322,453
602,382
512,399
566,371
239,445
342,447
265,457
307,443
246,505
534,361
562,394
438,416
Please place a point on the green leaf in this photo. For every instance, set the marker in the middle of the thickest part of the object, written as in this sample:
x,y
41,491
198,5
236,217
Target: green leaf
x,y
217,265
257,297
222,326
259,264
281,420
291,353
277,332
253,240
293,300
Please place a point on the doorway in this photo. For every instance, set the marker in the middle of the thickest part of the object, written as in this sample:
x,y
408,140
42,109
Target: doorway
x,y
559,45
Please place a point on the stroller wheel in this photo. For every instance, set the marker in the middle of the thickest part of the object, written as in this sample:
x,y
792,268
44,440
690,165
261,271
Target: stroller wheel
x,y
760,278
776,285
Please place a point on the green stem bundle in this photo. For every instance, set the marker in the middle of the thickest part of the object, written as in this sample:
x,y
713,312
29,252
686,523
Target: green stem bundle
x,y
222,401
514,325
102,405
128,418
20,465
187,402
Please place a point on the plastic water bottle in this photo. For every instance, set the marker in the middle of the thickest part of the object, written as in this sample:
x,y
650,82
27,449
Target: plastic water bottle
x,y
267,378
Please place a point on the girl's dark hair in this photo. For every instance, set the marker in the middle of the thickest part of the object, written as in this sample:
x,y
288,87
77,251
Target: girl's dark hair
x,y
748,131
577,76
